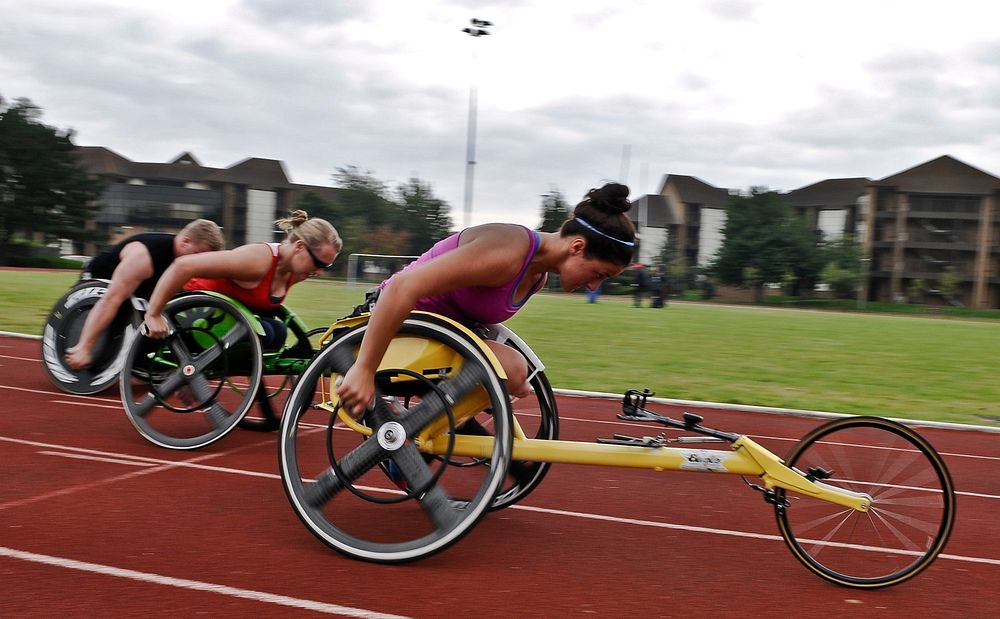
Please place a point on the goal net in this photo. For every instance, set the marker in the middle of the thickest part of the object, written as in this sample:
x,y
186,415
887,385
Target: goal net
x,y
370,269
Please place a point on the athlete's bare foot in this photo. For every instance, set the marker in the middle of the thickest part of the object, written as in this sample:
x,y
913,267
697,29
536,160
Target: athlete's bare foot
x,y
77,359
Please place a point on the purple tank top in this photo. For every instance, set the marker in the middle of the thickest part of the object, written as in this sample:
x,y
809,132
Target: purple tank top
x,y
476,304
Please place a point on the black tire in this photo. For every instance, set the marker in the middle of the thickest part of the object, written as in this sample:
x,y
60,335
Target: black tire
x,y
523,477
62,330
912,510
304,347
536,416
330,473
175,391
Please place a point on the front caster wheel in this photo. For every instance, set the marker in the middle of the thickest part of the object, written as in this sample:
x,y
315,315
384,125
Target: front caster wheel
x,y
912,510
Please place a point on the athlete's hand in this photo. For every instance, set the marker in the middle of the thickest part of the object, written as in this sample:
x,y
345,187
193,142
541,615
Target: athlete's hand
x,y
356,390
155,326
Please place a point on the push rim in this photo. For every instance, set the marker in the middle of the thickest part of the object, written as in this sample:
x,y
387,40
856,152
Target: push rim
x,y
396,532
212,342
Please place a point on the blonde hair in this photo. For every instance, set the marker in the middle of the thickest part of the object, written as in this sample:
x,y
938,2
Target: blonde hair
x,y
205,233
312,231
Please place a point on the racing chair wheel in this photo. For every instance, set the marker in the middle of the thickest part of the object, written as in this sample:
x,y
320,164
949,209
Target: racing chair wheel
x,y
176,391
62,331
331,471
267,421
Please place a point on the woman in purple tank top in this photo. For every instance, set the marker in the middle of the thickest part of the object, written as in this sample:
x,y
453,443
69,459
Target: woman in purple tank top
x,y
486,273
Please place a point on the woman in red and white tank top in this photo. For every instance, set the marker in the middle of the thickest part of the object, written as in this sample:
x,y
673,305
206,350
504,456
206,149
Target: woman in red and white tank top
x,y
258,275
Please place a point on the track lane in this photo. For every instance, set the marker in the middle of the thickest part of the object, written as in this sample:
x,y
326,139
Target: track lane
x,y
590,540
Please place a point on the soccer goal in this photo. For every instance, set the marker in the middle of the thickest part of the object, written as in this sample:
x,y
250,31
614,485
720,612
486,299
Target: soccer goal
x,y
370,269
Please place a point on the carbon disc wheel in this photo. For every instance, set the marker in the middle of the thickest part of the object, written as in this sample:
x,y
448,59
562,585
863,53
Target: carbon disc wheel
x,y
437,513
176,391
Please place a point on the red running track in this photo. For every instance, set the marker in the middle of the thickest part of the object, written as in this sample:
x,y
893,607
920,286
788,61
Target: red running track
x,y
95,521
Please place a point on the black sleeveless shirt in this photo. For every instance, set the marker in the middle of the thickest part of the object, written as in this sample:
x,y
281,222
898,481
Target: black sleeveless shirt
x,y
161,249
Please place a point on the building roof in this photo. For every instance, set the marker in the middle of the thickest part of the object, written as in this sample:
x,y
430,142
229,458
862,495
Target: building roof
x,y
942,175
829,193
100,160
696,191
254,172
658,214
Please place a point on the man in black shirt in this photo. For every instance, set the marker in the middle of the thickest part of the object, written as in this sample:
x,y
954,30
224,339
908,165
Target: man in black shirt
x,y
134,266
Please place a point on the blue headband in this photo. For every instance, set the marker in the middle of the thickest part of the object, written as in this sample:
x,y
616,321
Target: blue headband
x,y
605,235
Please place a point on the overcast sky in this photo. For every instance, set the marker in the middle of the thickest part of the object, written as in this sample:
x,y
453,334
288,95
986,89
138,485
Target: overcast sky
x,y
739,93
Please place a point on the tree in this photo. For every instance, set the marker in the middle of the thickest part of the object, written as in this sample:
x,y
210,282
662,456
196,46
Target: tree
x,y
842,270
947,285
314,204
555,210
764,239
426,216
364,196
363,206
44,190
915,290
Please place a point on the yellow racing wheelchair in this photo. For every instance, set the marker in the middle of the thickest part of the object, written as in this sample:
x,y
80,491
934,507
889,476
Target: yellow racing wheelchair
x,y
199,383
862,502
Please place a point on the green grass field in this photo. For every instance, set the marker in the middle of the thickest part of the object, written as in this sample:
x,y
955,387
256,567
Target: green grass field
x,y
895,366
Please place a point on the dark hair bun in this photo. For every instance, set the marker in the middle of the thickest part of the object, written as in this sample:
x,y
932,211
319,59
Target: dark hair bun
x,y
611,198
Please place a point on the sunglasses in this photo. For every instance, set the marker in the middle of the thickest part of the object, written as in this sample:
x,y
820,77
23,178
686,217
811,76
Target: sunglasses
x,y
319,264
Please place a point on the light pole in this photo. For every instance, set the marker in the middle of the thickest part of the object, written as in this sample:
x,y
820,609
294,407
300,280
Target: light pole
x,y
478,29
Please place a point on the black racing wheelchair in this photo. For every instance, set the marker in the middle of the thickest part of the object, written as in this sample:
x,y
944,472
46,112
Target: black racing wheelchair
x,y
62,331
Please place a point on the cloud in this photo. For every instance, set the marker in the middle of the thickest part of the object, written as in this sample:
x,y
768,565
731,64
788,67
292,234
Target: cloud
x,y
303,13
738,93
732,10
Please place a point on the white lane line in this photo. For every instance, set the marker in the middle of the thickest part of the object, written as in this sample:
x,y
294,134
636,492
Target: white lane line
x,y
20,358
95,458
696,529
195,585
165,466
754,436
88,404
83,398
615,519
193,463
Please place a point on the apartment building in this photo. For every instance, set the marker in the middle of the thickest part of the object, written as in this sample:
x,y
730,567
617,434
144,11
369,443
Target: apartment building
x,y
929,234
245,198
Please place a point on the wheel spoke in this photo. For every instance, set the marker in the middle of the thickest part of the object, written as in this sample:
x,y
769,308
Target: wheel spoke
x,y
341,360
217,416
435,501
145,405
907,523
432,406
233,336
171,384
356,463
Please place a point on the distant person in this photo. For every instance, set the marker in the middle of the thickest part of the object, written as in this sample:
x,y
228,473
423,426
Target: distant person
x,y
593,293
258,275
658,297
485,274
134,266
639,286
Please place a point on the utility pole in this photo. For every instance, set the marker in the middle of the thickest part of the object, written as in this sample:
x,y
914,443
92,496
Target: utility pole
x,y
478,29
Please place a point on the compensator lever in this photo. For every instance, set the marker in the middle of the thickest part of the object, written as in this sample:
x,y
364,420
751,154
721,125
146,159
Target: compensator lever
x,y
632,441
634,409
